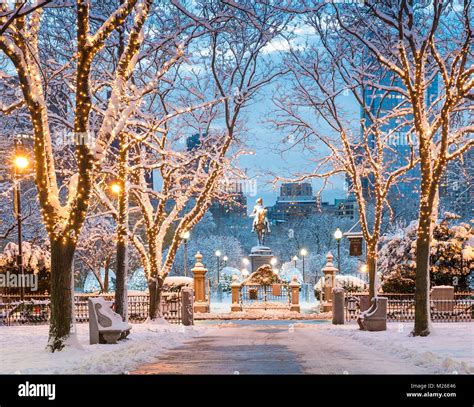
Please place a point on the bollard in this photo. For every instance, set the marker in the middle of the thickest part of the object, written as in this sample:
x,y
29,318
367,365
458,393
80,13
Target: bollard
x,y
187,309
338,306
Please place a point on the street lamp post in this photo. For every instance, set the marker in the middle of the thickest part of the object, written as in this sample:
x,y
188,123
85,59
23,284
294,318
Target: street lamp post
x,y
338,237
186,235
21,162
303,253
218,257
225,258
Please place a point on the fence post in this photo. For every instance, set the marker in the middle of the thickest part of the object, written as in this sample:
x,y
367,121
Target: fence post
x,y
295,295
329,282
187,302
338,306
199,273
235,286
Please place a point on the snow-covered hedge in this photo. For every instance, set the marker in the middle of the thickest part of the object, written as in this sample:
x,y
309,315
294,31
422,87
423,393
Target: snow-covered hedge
x,y
36,260
451,257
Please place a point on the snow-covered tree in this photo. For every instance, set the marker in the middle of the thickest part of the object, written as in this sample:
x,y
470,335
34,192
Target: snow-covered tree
x,y
418,43
315,233
188,180
94,110
311,110
451,262
207,246
96,250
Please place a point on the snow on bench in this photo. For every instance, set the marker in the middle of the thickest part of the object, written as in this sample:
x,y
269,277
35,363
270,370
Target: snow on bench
x,y
105,325
375,318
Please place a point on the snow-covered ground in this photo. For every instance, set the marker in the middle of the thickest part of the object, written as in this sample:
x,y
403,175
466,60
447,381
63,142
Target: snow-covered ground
x,y
22,349
325,348
448,349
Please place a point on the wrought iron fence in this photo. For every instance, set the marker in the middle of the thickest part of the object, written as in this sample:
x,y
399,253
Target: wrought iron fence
x,y
36,309
256,296
402,308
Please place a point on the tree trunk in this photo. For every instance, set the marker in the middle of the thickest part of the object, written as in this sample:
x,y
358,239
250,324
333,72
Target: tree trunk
x,y
121,273
155,299
422,280
121,278
371,269
62,294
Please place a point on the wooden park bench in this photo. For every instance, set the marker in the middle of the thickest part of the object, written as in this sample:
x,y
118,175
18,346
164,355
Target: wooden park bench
x,y
375,318
105,325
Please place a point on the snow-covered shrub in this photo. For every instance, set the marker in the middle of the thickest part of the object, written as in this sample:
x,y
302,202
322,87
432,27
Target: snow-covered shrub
x,y
451,259
349,283
35,261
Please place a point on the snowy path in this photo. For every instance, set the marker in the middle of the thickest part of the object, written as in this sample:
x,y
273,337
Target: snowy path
x,y
269,348
245,347
22,350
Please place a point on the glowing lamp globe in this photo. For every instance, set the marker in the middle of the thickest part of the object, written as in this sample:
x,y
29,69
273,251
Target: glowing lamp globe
x,y
21,162
115,188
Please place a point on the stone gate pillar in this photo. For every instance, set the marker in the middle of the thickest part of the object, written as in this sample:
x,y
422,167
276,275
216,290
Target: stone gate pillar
x,y
295,295
199,273
329,282
235,286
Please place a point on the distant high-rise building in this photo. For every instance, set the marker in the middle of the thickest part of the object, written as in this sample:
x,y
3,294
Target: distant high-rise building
x,y
295,200
456,190
398,150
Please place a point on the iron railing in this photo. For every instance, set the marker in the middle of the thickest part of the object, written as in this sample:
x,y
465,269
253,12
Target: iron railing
x,y
36,309
402,308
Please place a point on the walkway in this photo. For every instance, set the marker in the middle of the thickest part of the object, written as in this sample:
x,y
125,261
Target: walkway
x,y
273,347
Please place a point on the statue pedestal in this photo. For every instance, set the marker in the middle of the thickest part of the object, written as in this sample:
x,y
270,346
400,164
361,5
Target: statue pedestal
x,y
260,255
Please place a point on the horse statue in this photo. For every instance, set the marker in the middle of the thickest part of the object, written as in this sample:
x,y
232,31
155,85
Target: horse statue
x,y
260,225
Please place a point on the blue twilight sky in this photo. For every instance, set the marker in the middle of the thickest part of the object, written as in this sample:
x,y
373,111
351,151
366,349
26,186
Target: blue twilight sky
x,y
265,141
268,160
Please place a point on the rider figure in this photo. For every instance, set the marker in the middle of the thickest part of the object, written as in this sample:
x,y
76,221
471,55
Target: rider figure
x,y
256,210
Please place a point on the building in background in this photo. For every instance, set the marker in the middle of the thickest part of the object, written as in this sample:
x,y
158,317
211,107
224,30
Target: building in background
x,y
397,154
295,200
456,190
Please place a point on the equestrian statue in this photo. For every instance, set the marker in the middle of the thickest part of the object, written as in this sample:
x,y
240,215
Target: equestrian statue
x,y
260,224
